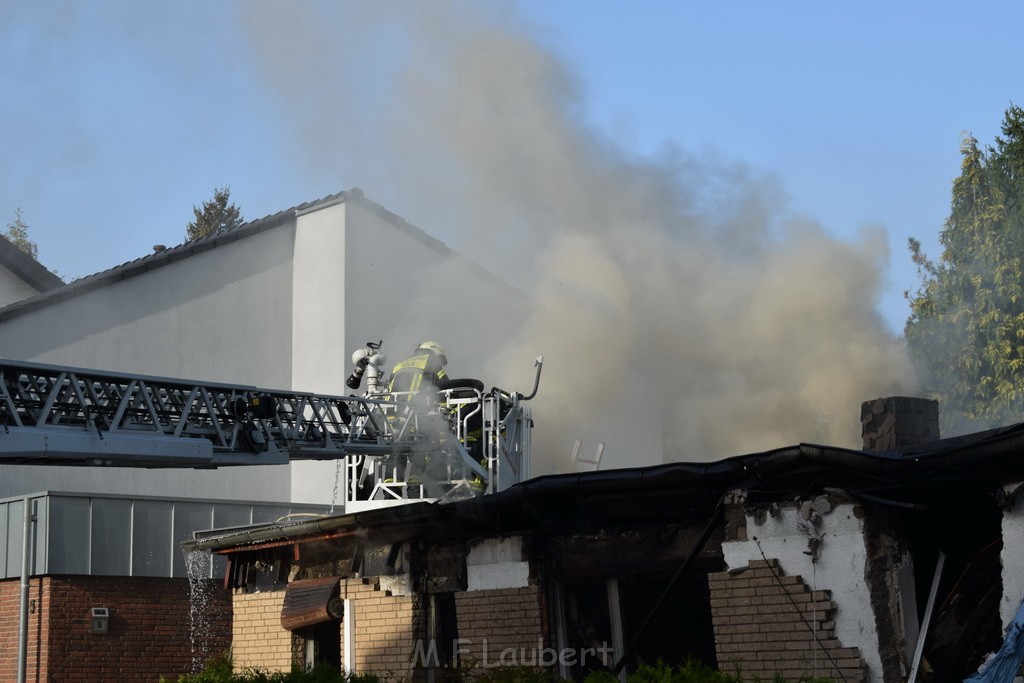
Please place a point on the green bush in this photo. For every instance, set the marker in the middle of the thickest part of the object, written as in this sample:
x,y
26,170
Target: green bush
x,y
511,674
466,673
220,669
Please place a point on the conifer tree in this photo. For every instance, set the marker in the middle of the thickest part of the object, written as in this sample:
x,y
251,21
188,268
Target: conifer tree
x,y
216,215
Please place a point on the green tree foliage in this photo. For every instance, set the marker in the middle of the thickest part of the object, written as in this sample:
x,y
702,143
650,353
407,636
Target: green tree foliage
x,y
966,324
214,216
17,233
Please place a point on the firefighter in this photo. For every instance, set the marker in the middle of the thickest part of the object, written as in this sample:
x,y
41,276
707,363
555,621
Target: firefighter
x,y
418,378
423,370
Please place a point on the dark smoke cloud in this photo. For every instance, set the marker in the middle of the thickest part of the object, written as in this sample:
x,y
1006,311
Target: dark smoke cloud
x,y
679,309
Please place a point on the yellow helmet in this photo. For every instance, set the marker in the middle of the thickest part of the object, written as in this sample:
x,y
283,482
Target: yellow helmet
x,y
434,348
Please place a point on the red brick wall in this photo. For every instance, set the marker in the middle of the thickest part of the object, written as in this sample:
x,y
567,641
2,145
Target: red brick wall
x,y
767,623
10,610
149,628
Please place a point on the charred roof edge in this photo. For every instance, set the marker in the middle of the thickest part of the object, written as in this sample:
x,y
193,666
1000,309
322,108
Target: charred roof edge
x,y
994,452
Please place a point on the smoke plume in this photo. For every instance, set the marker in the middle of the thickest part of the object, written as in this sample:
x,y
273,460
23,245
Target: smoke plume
x,y
680,310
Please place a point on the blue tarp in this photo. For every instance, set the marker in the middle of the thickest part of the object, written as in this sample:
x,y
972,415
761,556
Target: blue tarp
x,y
1005,664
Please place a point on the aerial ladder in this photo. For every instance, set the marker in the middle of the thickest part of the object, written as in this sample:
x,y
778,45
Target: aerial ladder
x,y
463,442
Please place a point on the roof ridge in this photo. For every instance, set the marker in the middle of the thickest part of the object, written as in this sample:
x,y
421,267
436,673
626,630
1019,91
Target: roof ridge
x,y
169,255
160,258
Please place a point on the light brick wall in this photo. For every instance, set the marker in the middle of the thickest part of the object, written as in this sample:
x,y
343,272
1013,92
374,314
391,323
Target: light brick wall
x,y
767,623
258,640
493,621
384,629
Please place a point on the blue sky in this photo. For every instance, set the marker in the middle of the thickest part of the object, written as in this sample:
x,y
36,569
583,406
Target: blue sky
x,y
118,117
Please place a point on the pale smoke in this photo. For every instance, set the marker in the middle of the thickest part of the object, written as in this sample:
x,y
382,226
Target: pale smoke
x,y
671,297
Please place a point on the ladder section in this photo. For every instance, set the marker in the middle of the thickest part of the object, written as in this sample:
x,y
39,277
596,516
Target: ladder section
x,y
57,414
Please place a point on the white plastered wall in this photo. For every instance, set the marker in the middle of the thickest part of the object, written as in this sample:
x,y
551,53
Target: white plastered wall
x,y
368,276
282,309
13,288
360,272
496,563
1012,558
223,315
319,355
840,568
405,287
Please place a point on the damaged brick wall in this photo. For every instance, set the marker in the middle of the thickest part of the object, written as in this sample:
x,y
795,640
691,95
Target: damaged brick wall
x,y
767,623
384,628
886,569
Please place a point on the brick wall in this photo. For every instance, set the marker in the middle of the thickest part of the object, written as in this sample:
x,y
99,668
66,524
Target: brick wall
x,y
38,623
767,623
384,627
384,631
149,628
257,638
494,621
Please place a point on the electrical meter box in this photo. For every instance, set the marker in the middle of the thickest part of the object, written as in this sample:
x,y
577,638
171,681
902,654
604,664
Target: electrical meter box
x,y
100,619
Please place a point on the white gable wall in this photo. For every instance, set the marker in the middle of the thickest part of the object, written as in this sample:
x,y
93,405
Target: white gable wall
x,y
360,276
223,315
319,356
366,275
405,287
282,309
13,288
389,269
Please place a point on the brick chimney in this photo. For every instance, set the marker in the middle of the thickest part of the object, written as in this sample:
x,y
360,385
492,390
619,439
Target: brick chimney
x,y
888,423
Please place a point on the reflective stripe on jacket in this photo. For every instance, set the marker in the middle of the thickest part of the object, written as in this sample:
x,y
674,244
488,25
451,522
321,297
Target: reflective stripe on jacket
x,y
411,373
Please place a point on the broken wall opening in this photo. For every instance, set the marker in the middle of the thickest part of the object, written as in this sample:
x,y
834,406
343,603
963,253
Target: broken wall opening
x,y
323,644
443,627
609,585
682,629
965,623
602,617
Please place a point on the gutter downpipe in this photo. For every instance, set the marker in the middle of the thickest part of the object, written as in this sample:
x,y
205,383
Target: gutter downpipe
x,y
27,551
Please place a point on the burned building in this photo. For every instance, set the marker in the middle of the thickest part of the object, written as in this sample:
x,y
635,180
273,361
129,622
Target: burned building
x,y
802,561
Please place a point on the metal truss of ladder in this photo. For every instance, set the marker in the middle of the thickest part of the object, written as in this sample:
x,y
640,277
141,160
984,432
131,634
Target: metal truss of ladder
x,y
60,415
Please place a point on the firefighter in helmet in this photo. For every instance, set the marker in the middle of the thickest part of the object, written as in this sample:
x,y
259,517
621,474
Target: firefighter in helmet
x,y
425,369
417,379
